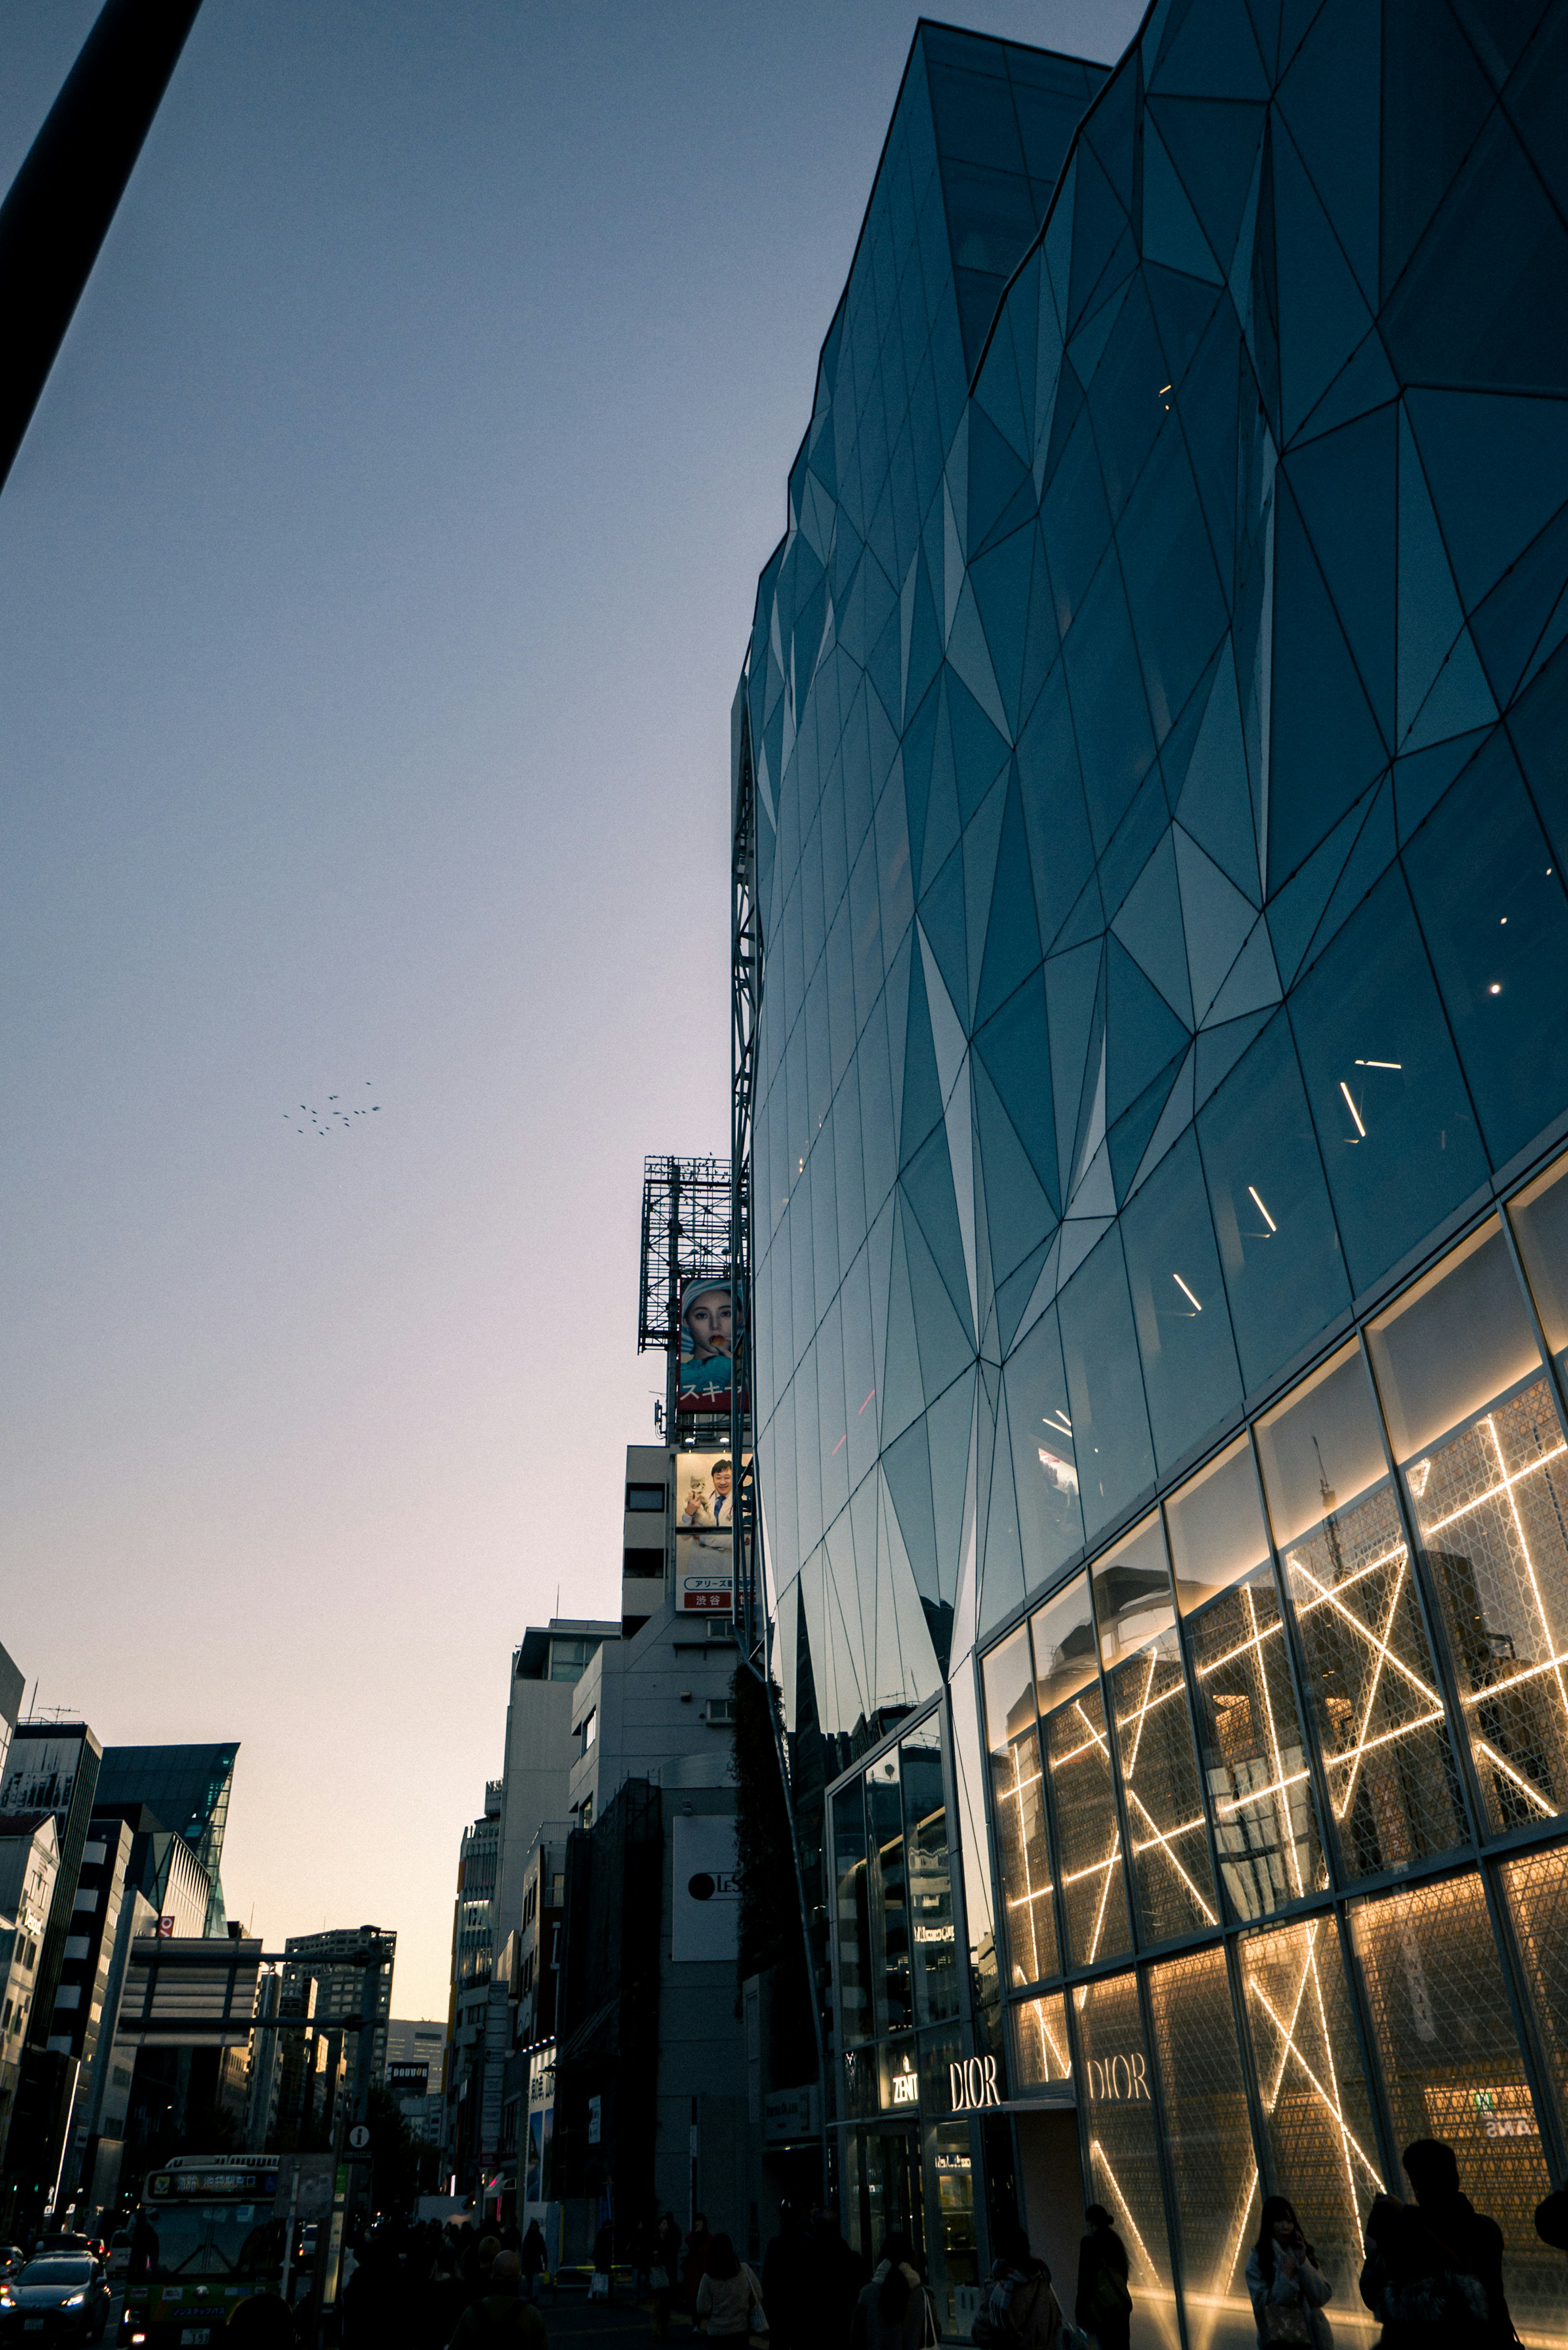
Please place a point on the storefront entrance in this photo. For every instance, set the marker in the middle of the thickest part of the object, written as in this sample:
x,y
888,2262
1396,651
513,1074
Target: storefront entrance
x,y
885,2191
1051,2192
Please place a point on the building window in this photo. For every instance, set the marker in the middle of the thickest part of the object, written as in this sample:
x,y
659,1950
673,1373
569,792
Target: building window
x,y
588,1729
640,1498
570,1658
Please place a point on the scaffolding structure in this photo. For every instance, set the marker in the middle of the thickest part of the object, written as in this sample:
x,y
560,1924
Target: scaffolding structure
x,y
686,1227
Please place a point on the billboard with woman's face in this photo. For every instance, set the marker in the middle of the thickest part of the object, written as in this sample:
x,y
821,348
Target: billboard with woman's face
x,y
709,1323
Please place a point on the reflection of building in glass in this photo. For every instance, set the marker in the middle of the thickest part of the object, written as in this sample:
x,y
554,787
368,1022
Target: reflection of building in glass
x,y
1150,782
189,1788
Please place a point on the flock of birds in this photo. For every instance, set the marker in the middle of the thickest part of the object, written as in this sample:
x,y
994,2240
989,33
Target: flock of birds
x,y
326,1122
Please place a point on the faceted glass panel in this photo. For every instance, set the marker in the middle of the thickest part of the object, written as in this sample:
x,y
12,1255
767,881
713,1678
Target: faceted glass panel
x,y
1044,2056
969,1796
852,1914
1487,1471
1209,2140
1393,1785
1311,2087
1539,1219
1132,1592
1018,1806
1173,1876
1123,2159
932,1957
1063,1632
890,1992
1451,2069
1088,1834
1537,1888
1255,1769
1215,1523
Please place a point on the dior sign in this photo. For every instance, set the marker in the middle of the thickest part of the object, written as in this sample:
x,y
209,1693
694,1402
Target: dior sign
x,y
973,2085
1119,2077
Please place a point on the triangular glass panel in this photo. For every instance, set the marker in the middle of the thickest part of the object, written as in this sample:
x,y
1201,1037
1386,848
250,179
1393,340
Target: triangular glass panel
x,y
949,1427
1420,781
1324,314
1012,933
1254,981
981,837
1497,470
1430,615
943,926
1143,1032
1369,861
1019,1217
1326,746
1213,146
1071,984
1214,53
1218,922
1215,803
1129,1138
1149,926
1345,483
1175,1120
1329,97
1171,233
1219,1049
948,1039
999,585
1079,1239
1459,698
922,1094
1013,1048
906,1466
1295,912
1509,626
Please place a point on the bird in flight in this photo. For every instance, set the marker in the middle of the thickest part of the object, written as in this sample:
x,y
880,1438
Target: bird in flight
x,y
324,1123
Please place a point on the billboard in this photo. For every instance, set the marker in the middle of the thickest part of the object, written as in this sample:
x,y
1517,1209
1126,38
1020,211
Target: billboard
x,y
42,1773
536,2179
708,1327
704,1534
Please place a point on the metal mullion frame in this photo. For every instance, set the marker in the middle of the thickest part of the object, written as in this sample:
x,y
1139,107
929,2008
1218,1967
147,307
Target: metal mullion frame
x,y
957,1893
1162,2150
1114,1756
1365,2041
1553,1369
1535,2072
1261,2150
1436,1640
1204,1791
999,1942
1295,1664
1048,1809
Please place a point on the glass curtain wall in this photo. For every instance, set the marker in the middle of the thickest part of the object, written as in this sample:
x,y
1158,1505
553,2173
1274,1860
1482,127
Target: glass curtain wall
x,y
906,2159
1301,1737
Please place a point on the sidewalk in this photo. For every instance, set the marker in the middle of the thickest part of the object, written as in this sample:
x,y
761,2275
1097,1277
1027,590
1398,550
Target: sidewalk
x,y
574,2317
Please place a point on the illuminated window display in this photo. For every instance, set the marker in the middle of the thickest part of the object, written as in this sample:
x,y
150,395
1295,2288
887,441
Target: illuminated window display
x,y
1150,789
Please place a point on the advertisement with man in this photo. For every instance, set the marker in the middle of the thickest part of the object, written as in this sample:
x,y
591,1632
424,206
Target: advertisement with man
x,y
708,1330
705,1533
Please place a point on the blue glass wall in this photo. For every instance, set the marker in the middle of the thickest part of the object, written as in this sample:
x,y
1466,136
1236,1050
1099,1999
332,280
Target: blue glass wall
x,y
1158,706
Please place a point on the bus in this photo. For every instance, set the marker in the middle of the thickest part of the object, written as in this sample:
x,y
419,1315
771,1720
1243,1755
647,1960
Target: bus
x,y
208,2234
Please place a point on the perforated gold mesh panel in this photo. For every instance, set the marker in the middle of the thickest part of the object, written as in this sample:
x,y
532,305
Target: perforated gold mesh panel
x,y
1452,2070
1116,2098
1089,1845
1488,1507
1173,1876
1393,1790
1208,2139
1043,2054
1023,1860
1311,2087
1254,1762
1537,1891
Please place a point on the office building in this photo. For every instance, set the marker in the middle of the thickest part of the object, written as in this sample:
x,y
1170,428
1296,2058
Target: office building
x,y
52,1767
341,1961
414,2070
471,2085
29,1866
188,1788
13,1685
1150,799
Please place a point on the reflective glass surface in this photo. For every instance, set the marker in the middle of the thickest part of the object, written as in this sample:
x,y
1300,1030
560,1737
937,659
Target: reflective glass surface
x,y
1208,2129
1088,1832
1018,1807
1393,1787
1116,2080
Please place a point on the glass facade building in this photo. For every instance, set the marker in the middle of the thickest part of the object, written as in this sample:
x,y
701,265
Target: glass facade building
x,y
1153,758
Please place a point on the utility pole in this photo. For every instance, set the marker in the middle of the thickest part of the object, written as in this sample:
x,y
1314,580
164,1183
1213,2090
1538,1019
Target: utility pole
x,y
56,215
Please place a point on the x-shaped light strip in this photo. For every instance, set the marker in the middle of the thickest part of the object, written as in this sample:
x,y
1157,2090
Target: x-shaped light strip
x,y
1097,1738
1329,2098
1037,2008
1384,1655
1161,1837
1030,1895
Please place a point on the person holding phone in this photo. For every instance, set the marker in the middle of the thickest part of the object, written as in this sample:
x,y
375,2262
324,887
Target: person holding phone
x,y
1287,2287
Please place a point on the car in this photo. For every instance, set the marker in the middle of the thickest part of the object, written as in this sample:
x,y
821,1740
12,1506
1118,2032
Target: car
x,y
11,2256
119,2254
55,2246
60,2297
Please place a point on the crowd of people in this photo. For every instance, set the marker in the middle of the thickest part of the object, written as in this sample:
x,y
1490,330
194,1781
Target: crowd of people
x,y
1432,2279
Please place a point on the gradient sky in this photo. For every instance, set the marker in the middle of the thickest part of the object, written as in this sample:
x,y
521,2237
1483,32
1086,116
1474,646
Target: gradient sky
x,y
374,581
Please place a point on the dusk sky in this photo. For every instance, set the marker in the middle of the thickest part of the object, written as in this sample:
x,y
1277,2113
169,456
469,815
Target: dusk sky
x,y
374,580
